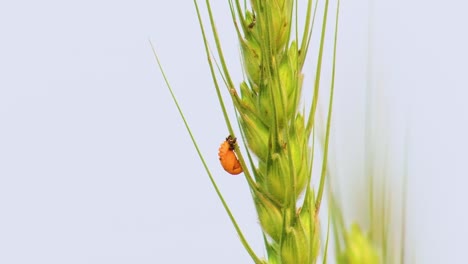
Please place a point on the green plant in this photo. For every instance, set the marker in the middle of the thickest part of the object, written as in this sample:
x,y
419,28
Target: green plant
x,y
279,135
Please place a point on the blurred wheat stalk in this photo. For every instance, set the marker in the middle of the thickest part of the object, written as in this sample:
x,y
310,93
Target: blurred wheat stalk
x,y
279,135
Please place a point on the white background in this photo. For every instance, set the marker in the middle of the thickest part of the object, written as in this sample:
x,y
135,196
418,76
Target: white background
x,y
96,166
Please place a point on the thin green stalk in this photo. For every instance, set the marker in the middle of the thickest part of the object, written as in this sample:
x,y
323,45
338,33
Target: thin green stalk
x,y
213,75
220,99
318,73
306,34
309,180
218,44
309,37
330,106
325,252
213,182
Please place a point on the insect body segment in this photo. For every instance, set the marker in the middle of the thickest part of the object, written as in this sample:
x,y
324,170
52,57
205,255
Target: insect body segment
x,y
228,158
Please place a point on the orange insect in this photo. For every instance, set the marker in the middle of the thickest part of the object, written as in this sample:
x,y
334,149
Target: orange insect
x,y
227,156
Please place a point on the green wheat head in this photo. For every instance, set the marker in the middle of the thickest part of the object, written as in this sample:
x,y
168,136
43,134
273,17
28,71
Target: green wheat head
x,y
276,132
278,135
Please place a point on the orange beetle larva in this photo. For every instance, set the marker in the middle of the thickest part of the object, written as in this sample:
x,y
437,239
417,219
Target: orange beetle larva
x,y
227,156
